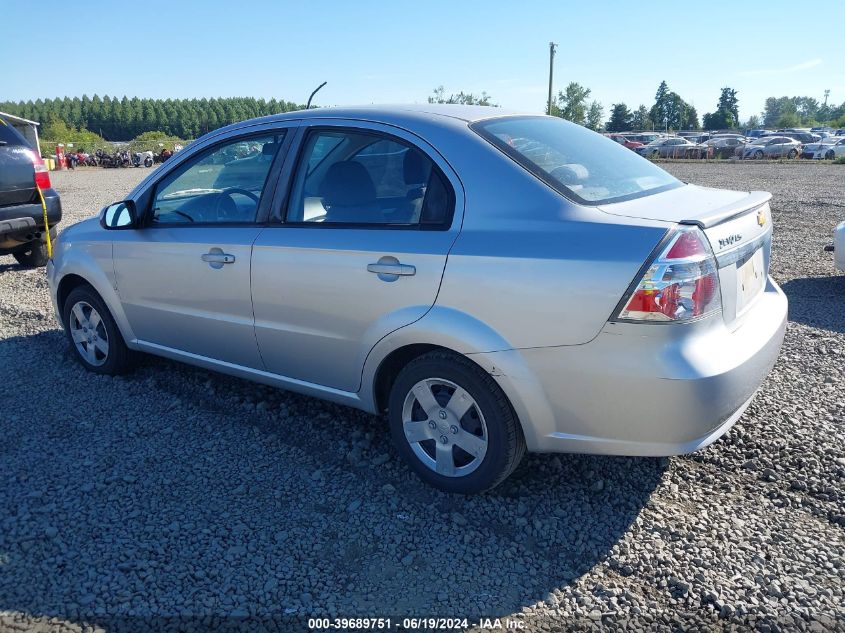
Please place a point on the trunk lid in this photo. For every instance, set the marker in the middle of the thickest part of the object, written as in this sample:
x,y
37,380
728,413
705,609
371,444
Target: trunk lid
x,y
738,226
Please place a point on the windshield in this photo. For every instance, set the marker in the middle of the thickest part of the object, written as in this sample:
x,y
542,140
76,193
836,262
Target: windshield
x,y
575,161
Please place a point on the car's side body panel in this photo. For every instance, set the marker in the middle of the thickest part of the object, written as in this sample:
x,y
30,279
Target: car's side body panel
x,y
174,299
839,247
545,283
85,251
319,311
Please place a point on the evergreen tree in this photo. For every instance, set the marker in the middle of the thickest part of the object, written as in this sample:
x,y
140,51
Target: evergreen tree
x,y
640,119
728,102
620,118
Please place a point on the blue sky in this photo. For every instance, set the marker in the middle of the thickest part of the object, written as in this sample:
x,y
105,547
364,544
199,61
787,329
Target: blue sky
x,y
390,52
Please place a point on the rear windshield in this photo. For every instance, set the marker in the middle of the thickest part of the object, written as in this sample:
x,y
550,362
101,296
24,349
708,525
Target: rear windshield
x,y
577,162
9,135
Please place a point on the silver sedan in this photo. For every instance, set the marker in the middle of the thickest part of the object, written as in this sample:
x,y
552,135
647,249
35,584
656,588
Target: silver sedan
x,y
770,147
494,282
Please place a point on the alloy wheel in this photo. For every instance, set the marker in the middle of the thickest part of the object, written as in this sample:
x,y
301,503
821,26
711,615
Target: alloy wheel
x,y
89,333
444,427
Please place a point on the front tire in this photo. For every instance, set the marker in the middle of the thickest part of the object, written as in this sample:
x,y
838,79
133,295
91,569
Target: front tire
x,y
93,334
453,424
793,153
34,257
830,155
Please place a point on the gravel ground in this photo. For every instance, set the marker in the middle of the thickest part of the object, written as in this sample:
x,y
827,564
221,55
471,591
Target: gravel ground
x,y
177,492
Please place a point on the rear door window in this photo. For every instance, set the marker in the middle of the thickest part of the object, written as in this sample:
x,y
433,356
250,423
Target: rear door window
x,y
358,177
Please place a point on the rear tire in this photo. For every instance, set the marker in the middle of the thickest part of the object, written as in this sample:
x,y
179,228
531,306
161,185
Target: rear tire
x,y
830,155
480,419
94,337
34,257
793,153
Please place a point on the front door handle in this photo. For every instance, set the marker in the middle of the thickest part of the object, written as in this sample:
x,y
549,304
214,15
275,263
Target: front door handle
x,y
392,269
216,258
389,269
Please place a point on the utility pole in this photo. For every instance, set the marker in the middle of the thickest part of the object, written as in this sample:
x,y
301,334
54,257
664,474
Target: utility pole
x,y
552,47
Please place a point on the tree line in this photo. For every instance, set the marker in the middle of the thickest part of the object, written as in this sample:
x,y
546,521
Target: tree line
x,y
91,120
122,119
671,112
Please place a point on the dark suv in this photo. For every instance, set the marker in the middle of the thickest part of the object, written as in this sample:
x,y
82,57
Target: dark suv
x,y
22,173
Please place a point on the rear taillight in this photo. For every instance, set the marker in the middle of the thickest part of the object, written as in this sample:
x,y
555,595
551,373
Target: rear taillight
x,y
680,284
42,175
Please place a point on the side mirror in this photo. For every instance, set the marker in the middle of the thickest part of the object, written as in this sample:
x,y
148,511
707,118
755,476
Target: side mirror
x,y
120,215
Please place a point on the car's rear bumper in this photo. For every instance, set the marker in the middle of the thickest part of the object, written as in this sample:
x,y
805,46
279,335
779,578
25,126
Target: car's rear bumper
x,y
644,389
25,222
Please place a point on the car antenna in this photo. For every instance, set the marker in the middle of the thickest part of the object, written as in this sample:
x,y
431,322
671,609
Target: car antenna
x,y
315,92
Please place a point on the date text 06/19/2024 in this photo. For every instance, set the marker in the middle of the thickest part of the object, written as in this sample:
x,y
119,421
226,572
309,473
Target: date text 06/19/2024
x,y
414,624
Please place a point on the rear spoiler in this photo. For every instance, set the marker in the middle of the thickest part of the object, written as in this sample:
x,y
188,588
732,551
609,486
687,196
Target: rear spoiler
x,y
753,200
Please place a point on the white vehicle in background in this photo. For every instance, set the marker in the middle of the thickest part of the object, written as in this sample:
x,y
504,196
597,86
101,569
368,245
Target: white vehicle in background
x,y
838,247
828,148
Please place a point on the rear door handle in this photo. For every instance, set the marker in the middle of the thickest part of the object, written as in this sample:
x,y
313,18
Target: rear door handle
x,y
218,258
389,269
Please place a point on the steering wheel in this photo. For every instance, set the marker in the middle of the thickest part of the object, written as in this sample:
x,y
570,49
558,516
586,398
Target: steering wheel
x,y
231,212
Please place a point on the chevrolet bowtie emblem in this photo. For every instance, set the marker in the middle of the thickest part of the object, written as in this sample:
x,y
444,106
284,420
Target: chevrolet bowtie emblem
x,y
761,218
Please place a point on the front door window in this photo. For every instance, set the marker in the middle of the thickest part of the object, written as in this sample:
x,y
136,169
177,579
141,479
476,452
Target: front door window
x,y
222,185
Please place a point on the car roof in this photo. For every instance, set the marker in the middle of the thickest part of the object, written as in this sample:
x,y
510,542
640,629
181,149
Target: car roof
x,y
399,114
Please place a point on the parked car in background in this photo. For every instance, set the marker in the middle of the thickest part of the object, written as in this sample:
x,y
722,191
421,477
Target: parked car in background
x,y
723,146
23,232
828,148
624,140
770,147
674,147
362,255
755,133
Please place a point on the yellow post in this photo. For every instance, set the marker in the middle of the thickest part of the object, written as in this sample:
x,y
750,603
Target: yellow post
x,y
46,223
